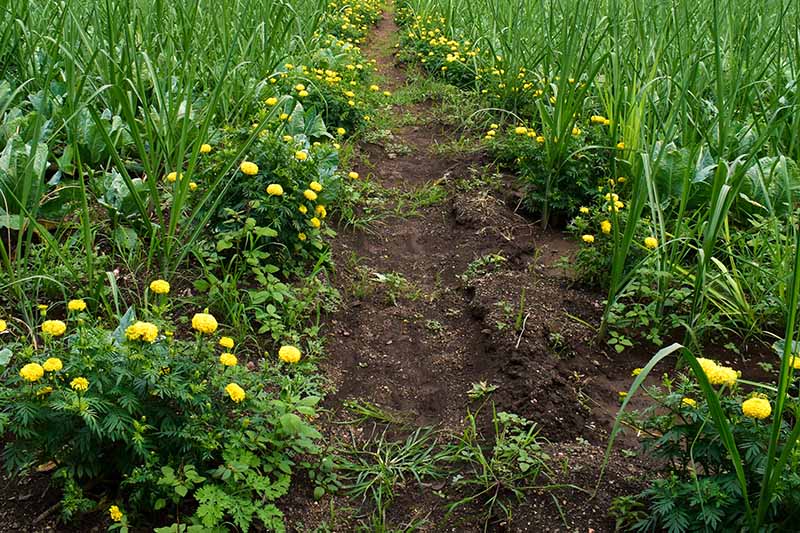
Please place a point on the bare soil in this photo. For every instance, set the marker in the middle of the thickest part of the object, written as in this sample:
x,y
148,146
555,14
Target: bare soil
x,y
416,351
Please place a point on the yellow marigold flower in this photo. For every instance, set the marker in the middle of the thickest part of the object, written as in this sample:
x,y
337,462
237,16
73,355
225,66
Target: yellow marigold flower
x,y
621,179
723,375
251,169
374,88
651,243
302,94
303,209
76,305
320,211
116,514
353,175
521,130
235,392
576,131
289,354
287,138
204,323
271,101
3,325
205,148
387,93
636,372
53,364
620,145
275,189
340,131
226,342
192,186
315,186
31,372
597,119
79,384
588,239
310,195
315,222
605,227
622,394
757,407
172,177
300,155
284,116
302,236
584,210
142,331
707,365
54,328
688,402
299,87
618,205
159,286
228,359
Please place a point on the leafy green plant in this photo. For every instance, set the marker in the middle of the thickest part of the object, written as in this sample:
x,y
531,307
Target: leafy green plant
x,y
377,469
192,423
498,471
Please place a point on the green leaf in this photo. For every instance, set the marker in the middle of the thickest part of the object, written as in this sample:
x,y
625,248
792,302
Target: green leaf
x,y
291,423
5,356
127,319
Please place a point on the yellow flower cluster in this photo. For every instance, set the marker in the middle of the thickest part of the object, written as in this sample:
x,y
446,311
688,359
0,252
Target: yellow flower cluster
x,y
53,364
248,168
228,359
289,354
716,374
757,407
31,372
76,305
235,392
275,189
142,331
54,328
80,384
204,323
115,513
159,286
226,342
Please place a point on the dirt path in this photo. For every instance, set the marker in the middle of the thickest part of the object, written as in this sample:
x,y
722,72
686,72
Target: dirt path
x,y
465,291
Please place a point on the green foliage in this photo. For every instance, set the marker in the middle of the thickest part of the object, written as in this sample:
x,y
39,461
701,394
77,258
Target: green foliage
x,y
376,469
501,470
157,419
700,491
